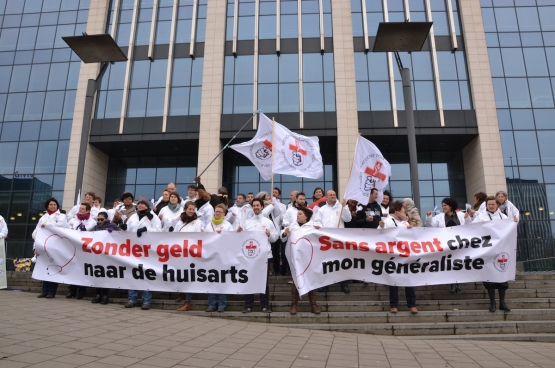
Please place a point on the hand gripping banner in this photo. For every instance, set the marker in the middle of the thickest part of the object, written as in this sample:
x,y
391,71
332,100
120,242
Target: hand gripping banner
x,y
230,263
404,257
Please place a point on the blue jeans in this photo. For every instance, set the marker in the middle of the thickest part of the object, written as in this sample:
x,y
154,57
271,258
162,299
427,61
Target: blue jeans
x,y
220,299
147,295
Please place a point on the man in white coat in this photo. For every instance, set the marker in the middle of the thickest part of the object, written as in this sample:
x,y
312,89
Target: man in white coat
x,y
260,223
240,212
333,215
3,228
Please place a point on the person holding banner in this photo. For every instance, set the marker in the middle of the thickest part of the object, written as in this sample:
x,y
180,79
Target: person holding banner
x,y
218,224
83,221
398,217
256,223
89,198
386,200
143,220
369,216
125,210
303,222
492,213
103,224
52,217
505,206
448,218
189,223
170,214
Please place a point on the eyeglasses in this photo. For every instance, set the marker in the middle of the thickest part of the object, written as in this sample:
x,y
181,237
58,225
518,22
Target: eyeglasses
x,y
101,219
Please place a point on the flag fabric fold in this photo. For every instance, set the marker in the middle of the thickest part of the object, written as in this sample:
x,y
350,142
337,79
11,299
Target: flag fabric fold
x,y
370,170
295,154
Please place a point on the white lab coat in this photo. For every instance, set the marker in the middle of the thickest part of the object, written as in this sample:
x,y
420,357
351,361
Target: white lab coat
x,y
488,216
290,216
390,222
213,228
152,226
237,216
3,228
194,226
75,223
170,218
206,212
261,223
439,220
295,226
328,216
56,219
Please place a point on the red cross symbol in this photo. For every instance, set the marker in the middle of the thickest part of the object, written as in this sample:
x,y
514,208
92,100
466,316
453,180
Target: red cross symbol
x,y
251,245
297,147
268,144
503,259
376,171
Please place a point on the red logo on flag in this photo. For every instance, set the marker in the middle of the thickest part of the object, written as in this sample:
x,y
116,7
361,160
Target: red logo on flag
x,y
376,171
251,245
268,144
297,148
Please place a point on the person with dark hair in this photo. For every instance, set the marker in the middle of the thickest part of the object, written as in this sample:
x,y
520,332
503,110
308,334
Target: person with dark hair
x,y
103,224
448,218
52,217
240,212
112,211
369,216
250,197
89,198
97,206
170,214
188,224
318,200
125,210
162,202
303,222
191,193
205,211
398,218
493,213
386,200
260,223
290,216
83,220
479,198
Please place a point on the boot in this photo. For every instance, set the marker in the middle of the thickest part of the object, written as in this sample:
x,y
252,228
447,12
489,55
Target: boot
x,y
453,288
294,299
271,271
491,293
312,298
185,307
96,299
104,299
81,292
502,304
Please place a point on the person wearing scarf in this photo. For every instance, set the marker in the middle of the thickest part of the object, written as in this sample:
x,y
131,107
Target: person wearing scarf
x,y
398,218
52,217
448,218
141,221
171,213
493,213
188,223
82,221
218,224
240,212
125,210
505,206
303,223
162,202
103,224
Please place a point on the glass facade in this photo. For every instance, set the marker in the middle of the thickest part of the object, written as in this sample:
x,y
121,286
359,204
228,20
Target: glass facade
x,y
38,83
520,38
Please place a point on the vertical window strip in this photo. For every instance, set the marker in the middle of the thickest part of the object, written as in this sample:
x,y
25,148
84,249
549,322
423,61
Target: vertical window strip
x,y
255,84
278,26
115,20
125,98
194,29
365,23
452,31
321,12
235,26
435,70
170,65
391,73
153,30
407,10
300,38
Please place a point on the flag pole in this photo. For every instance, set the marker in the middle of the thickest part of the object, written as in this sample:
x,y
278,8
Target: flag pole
x,y
227,144
350,173
273,146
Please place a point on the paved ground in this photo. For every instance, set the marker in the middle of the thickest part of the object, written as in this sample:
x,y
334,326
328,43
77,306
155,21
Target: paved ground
x,y
63,333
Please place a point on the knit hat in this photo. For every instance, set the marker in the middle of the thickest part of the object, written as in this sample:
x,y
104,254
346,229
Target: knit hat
x,y
145,201
126,195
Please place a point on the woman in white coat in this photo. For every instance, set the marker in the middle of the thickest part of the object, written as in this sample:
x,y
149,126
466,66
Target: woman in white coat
x,y
205,211
450,217
303,222
398,218
218,224
141,221
171,213
52,217
83,220
493,213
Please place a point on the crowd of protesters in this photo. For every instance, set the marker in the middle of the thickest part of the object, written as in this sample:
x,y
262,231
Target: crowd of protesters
x,y
200,211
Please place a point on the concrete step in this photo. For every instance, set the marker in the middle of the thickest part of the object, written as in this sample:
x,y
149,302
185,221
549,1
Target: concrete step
x,y
536,337
424,330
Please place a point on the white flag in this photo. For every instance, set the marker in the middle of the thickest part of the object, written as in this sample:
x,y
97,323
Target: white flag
x,y
296,154
370,170
259,149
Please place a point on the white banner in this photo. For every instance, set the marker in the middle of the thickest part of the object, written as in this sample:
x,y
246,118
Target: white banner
x,y
404,257
230,263
370,170
3,277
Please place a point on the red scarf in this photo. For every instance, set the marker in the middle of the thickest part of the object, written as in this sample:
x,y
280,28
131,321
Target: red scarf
x,y
84,217
399,216
51,212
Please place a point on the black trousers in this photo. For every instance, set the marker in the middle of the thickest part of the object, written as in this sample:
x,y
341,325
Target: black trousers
x,y
102,291
276,254
264,298
74,288
49,287
394,296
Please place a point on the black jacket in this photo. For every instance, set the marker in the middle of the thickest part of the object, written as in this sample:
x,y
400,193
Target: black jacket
x,y
360,219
